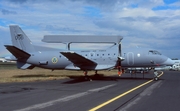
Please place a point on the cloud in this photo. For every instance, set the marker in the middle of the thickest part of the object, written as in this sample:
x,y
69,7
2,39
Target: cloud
x,y
140,22
7,12
18,1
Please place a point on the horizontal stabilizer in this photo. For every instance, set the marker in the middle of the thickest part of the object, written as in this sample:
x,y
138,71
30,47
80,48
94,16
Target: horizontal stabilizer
x,y
18,53
22,65
79,60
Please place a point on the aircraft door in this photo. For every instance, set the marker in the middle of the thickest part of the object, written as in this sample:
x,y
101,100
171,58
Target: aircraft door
x,y
130,58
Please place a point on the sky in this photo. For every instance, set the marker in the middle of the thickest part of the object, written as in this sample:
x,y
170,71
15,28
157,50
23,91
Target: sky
x,y
142,23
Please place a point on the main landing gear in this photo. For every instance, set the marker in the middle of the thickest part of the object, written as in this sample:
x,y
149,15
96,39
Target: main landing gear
x,y
86,77
89,78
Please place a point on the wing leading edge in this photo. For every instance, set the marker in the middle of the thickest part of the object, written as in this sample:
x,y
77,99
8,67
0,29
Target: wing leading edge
x,y
79,61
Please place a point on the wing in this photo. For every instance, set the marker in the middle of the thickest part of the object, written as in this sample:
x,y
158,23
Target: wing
x,y
79,61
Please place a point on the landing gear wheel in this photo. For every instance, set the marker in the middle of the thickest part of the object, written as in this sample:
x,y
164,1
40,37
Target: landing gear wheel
x,y
156,78
86,77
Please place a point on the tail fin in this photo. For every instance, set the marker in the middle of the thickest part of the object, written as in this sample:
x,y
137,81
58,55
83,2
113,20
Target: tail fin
x,y
20,40
21,48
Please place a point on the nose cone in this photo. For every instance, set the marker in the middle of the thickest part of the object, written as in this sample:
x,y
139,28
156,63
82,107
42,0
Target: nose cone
x,y
168,62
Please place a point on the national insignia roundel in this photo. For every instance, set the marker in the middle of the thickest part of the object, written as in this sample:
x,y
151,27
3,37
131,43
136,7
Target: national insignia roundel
x,y
54,60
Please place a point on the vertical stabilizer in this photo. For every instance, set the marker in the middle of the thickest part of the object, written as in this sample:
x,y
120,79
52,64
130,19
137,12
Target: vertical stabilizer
x,y
20,40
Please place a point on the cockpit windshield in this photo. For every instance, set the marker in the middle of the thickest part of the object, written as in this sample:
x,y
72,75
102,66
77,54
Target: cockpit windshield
x,y
154,52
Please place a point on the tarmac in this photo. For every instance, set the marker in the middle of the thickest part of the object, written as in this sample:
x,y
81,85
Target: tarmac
x,y
103,93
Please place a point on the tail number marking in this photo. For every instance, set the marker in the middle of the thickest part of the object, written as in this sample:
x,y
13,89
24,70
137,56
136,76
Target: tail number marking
x,y
19,37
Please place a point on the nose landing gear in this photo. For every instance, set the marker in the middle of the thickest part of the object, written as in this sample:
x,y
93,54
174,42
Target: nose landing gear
x,y
156,76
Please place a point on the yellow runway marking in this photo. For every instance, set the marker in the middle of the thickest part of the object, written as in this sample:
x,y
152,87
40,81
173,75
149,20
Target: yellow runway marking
x,y
121,95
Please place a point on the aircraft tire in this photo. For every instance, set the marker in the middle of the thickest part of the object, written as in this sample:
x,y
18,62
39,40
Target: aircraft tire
x,y
156,79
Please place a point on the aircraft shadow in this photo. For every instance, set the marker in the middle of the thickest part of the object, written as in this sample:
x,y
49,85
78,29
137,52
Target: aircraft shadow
x,y
37,75
80,78
100,77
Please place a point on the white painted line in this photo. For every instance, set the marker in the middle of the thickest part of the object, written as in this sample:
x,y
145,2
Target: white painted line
x,y
147,92
52,102
122,95
64,99
101,88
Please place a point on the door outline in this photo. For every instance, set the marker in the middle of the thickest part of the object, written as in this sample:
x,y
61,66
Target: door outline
x,y
130,58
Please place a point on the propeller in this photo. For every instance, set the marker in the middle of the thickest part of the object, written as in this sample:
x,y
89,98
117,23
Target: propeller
x,y
119,60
